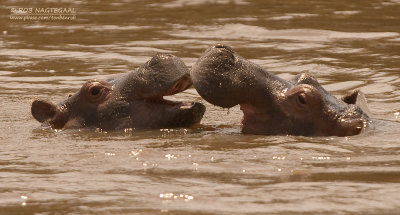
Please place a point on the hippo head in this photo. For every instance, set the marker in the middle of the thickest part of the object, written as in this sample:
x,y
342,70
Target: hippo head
x,y
133,100
271,105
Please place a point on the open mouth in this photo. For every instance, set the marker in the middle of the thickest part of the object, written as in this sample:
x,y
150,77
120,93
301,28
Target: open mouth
x,y
184,113
171,104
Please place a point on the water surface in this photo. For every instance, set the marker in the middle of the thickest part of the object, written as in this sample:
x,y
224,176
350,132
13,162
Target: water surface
x,y
211,168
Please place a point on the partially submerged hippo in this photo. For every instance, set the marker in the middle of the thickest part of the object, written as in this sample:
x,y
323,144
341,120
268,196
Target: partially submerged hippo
x,y
271,105
133,100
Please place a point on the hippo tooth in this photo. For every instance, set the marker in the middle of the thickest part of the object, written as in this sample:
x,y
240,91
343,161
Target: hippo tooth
x,y
185,106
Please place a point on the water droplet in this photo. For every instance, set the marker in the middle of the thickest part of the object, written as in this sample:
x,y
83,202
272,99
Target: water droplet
x,y
109,154
278,157
283,92
321,158
170,156
126,130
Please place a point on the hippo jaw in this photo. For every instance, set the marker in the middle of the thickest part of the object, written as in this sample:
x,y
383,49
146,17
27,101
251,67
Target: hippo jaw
x,y
162,113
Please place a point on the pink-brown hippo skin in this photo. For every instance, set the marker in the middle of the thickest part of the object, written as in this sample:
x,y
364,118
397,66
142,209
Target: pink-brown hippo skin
x,y
132,100
271,105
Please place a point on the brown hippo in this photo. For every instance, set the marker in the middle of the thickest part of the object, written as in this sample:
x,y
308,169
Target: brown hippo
x,y
271,105
132,100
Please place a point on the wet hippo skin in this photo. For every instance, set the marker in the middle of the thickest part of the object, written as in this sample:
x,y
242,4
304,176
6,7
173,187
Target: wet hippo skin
x,y
271,105
132,100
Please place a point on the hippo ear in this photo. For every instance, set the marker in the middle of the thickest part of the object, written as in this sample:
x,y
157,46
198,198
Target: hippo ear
x,y
351,98
42,110
358,98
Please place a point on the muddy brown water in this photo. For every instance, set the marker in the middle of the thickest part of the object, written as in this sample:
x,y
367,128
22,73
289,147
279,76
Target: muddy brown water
x,y
211,168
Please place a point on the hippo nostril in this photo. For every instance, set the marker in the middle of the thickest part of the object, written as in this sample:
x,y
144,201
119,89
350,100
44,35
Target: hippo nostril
x,y
219,46
159,58
222,46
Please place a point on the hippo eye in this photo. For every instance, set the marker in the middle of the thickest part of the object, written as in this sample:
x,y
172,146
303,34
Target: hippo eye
x,y
302,99
95,90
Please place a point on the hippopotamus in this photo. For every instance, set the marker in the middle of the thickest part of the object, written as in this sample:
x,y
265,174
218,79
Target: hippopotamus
x,y
271,105
131,100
